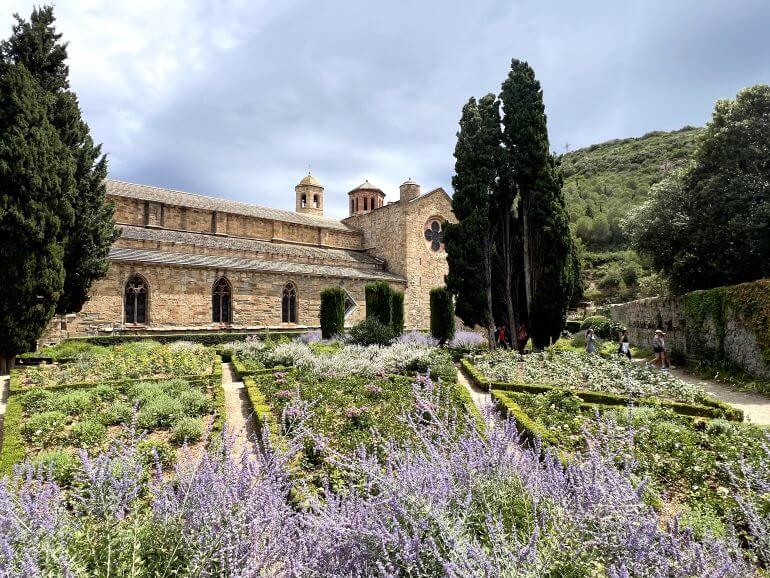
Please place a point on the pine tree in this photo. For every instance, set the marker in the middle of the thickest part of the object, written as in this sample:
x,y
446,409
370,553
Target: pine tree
x,y
90,234
543,224
469,241
36,180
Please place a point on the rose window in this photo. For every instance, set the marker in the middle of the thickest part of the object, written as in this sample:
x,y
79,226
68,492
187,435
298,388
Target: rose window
x,y
434,234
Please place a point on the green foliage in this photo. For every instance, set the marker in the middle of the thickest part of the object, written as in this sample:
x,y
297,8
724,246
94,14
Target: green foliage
x,y
707,225
397,308
371,332
195,402
117,413
160,411
604,181
156,453
61,465
45,429
36,45
36,400
612,279
186,430
36,184
87,434
332,312
604,327
442,314
379,302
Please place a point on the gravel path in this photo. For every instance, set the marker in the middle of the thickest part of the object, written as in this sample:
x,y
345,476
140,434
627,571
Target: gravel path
x,y
238,410
481,397
755,406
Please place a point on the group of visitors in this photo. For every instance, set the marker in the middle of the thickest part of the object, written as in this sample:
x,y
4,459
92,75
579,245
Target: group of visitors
x,y
503,337
660,357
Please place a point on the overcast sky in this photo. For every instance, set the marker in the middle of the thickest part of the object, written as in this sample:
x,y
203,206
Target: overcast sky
x,y
236,98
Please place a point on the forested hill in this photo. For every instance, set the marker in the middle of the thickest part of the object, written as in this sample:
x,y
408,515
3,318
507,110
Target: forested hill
x,y
603,181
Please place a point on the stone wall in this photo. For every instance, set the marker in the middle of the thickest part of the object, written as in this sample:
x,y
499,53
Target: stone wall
x,y
725,324
180,298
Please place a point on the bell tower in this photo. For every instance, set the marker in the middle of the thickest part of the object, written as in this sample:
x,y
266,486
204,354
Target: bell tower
x,y
310,196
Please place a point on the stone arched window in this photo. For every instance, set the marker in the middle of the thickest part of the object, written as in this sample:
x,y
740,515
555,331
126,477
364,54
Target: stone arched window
x,y
303,200
371,203
315,201
135,300
352,206
289,303
221,301
366,203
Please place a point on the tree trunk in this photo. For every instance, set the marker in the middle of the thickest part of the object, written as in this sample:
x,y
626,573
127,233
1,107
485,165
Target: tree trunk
x,y
489,321
508,252
7,361
527,253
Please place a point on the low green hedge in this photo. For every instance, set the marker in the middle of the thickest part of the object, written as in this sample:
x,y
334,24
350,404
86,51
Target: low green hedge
x,y
263,414
525,424
13,450
709,408
209,338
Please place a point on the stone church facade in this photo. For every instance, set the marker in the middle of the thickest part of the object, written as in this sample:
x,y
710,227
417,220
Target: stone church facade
x,y
191,263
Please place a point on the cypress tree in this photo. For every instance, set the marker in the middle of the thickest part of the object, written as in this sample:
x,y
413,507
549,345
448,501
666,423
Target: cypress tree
x,y
91,232
379,303
469,242
546,245
442,315
36,180
397,312
332,312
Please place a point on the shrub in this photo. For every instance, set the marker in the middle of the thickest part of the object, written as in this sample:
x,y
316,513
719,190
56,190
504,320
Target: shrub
x,y
186,429
467,341
630,273
442,315
371,332
379,302
156,452
397,311
162,411
45,428
332,312
75,402
611,279
60,465
36,400
604,327
105,392
117,413
195,402
87,434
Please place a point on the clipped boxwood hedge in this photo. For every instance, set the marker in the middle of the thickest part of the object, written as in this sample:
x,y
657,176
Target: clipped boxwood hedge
x,y
709,408
525,424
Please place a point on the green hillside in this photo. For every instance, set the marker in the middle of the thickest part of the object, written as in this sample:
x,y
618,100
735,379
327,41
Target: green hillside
x,y
601,184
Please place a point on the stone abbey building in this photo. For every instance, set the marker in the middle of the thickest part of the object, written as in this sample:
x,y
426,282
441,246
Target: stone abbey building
x,y
187,262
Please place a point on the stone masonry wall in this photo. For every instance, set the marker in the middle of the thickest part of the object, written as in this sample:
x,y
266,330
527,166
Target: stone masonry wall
x,y
180,298
723,333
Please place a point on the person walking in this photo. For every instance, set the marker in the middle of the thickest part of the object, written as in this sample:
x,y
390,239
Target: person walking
x,y
624,346
501,340
521,338
590,341
659,350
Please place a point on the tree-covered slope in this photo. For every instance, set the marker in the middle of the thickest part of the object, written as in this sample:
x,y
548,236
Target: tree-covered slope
x,y
603,181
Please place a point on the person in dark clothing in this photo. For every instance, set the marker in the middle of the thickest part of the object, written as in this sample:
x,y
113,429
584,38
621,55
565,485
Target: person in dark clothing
x,y
624,346
521,338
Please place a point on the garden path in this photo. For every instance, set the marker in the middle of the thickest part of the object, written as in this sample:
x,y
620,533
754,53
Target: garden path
x,y
238,412
755,406
481,397
5,382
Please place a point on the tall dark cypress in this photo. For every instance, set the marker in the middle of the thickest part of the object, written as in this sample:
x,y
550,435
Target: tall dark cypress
x,y
91,231
36,177
546,243
469,242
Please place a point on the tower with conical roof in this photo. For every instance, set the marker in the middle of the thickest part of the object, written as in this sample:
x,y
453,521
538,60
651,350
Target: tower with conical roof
x,y
364,198
310,196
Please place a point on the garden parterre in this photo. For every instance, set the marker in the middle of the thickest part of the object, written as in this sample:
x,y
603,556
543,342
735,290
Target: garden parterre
x,y
581,371
138,360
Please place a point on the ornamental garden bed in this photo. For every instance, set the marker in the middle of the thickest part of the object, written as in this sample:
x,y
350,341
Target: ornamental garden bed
x,y
608,381
691,463
50,417
344,412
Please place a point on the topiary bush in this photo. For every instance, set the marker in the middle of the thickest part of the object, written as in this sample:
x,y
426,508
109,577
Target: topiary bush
x,y
379,302
397,312
442,315
332,312
186,429
371,332
603,326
